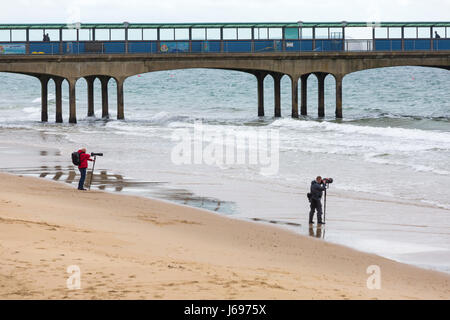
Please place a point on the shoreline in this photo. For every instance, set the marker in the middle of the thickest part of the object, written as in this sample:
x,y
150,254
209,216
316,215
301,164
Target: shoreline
x,y
131,247
287,225
399,242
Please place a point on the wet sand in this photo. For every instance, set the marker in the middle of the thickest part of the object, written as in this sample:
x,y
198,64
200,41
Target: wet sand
x,y
405,231
49,164
129,247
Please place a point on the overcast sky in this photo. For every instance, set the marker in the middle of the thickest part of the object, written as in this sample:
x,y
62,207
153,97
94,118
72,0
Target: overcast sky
x,y
62,11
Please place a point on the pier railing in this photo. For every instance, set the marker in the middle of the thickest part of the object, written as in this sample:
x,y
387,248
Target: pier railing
x,y
221,46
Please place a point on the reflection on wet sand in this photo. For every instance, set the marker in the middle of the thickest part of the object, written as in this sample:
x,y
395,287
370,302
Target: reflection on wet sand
x,y
101,181
315,232
318,233
115,182
45,153
187,198
292,224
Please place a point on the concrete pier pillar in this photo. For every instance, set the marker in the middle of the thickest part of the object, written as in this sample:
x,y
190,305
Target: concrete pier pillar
x,y
321,82
277,90
105,106
44,98
294,96
339,97
58,96
304,92
261,76
120,100
90,91
72,101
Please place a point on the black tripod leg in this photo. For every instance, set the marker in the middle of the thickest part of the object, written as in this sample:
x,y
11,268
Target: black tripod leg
x,y
92,173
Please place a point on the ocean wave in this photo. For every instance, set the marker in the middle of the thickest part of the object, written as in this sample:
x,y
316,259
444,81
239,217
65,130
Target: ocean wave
x,y
164,118
436,204
375,191
16,125
390,132
383,159
367,188
31,110
382,115
50,97
423,168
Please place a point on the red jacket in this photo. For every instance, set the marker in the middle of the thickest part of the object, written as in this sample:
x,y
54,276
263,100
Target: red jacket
x,y
84,157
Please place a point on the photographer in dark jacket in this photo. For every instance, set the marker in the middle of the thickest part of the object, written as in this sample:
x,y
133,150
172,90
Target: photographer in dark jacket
x,y
317,188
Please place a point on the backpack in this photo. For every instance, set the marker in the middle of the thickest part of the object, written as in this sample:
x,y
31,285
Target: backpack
x,y
76,158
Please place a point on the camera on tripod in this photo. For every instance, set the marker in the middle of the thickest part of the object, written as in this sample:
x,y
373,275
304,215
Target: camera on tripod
x,y
327,181
93,154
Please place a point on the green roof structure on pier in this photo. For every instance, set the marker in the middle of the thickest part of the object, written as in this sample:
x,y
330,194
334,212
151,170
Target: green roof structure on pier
x,y
225,25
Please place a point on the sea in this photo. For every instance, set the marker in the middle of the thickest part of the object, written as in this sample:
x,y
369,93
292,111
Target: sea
x,y
389,157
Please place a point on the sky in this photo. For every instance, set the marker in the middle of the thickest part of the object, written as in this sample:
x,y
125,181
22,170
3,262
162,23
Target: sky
x,y
69,11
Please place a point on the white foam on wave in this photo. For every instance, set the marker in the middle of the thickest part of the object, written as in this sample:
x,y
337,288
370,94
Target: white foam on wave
x,y
162,118
422,168
16,125
166,118
50,97
180,124
419,150
375,158
367,188
390,132
437,204
119,126
386,248
138,129
31,110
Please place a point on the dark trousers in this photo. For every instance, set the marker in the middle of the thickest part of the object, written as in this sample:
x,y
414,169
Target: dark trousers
x,y
315,205
82,179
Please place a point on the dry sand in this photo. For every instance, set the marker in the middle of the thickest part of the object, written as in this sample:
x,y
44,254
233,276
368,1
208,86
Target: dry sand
x,y
135,248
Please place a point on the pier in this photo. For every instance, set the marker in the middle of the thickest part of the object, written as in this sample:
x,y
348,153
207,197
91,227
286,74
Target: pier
x,y
115,52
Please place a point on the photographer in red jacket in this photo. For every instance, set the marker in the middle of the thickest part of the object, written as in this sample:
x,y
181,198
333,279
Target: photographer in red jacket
x,y
84,158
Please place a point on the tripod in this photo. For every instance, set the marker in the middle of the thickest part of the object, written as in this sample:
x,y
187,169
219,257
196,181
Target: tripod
x,y
325,204
92,173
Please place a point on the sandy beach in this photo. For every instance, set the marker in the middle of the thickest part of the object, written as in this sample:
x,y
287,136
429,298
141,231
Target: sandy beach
x,y
130,247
